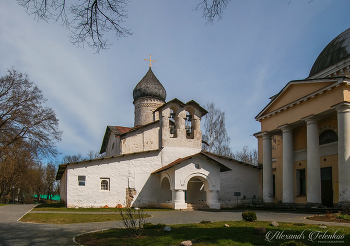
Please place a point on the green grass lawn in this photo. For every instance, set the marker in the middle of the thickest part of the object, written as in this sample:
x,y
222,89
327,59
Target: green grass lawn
x,y
62,208
239,233
69,218
3,204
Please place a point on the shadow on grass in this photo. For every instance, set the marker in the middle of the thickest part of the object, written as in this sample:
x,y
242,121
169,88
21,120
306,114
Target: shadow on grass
x,y
52,205
239,233
62,208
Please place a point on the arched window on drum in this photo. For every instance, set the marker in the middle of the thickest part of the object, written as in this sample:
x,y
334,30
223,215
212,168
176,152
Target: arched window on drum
x,y
328,136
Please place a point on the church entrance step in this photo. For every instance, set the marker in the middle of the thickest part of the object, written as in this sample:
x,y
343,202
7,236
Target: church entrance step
x,y
196,206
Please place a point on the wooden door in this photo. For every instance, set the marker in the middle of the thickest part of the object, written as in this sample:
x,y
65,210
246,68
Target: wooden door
x,y
326,186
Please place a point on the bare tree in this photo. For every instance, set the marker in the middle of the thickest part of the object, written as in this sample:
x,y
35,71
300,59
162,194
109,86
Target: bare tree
x,y
89,20
215,133
28,131
15,163
24,118
94,155
50,180
247,155
36,184
73,158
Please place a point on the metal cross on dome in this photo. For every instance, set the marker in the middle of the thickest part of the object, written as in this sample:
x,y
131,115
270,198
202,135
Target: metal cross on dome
x,y
150,60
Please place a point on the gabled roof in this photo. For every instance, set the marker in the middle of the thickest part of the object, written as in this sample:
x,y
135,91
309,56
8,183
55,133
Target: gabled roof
x,y
192,102
231,159
119,131
223,168
62,168
335,80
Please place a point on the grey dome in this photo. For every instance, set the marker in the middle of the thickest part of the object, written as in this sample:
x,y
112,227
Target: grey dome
x,y
149,86
334,52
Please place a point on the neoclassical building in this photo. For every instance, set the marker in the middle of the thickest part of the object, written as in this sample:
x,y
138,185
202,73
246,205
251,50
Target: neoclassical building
x,y
157,162
304,142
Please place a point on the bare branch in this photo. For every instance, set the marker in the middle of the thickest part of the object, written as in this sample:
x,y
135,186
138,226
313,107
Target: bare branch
x,y
212,10
88,21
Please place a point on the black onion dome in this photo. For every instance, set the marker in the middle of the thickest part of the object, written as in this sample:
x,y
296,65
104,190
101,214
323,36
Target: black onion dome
x,y
337,50
149,86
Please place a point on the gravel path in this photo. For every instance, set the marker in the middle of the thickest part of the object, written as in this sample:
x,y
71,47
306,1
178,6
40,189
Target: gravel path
x,y
14,233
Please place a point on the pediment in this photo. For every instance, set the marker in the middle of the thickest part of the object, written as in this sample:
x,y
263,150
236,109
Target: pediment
x,y
294,91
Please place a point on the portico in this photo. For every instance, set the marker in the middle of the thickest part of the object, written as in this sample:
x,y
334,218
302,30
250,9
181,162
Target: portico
x,y
304,142
304,145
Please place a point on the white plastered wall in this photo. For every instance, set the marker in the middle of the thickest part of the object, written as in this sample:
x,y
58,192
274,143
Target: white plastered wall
x,y
113,146
141,140
241,178
170,154
133,171
208,170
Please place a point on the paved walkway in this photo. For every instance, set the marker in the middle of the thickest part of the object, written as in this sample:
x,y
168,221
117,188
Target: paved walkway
x,y
14,233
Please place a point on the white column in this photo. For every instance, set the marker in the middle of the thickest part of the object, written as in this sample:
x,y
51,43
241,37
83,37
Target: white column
x,y
178,199
212,199
313,171
178,196
267,169
288,168
343,111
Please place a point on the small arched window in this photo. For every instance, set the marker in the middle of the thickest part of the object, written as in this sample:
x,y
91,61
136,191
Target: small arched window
x,y
328,136
104,184
172,123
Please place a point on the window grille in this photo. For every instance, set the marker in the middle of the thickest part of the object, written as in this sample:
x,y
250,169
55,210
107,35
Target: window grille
x,y
328,136
105,184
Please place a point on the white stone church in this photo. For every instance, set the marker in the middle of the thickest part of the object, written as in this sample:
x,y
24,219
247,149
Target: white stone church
x,y
159,162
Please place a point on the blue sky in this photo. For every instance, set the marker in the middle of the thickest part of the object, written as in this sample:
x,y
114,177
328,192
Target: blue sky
x,y
237,62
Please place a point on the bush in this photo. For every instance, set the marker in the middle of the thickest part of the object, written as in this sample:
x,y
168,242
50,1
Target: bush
x,y
133,220
249,216
343,217
293,243
205,222
153,226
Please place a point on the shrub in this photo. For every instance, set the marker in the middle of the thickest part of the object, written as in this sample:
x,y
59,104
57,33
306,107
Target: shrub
x,y
249,216
133,221
293,243
299,224
153,226
343,216
205,222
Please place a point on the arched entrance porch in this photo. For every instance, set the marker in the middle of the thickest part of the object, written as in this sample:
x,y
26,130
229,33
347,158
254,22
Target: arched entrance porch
x,y
195,193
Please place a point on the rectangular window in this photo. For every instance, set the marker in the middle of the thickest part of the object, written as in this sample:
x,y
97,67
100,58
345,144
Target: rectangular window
x,y
105,184
81,180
